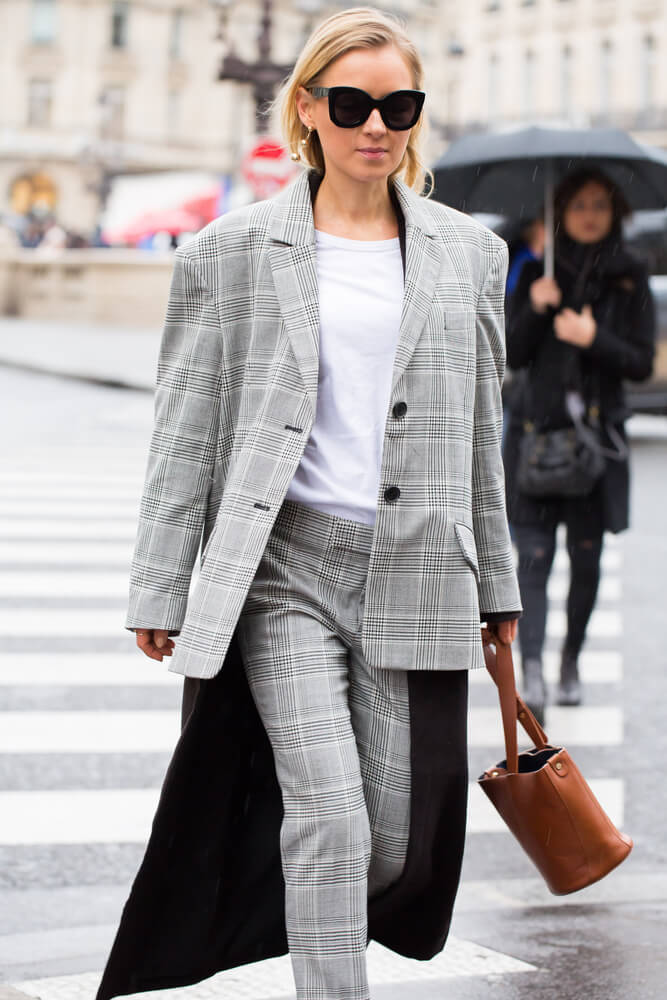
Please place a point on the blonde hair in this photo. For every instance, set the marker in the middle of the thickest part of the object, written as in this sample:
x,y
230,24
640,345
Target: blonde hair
x,y
357,28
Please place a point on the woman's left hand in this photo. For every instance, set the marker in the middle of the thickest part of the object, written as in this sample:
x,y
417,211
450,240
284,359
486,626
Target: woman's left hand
x,y
576,328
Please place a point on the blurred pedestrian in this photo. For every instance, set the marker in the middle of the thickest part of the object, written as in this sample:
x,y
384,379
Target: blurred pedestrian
x,y
576,337
527,244
329,399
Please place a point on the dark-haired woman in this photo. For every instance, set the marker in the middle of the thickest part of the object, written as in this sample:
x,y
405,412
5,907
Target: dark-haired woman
x,y
583,331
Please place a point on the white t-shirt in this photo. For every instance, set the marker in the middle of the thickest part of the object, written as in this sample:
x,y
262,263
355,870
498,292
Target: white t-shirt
x,y
361,299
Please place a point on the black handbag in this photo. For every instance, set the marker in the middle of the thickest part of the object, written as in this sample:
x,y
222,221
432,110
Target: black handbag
x,y
567,461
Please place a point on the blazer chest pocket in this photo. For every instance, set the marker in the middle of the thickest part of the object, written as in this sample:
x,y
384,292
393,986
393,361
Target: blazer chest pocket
x,y
466,540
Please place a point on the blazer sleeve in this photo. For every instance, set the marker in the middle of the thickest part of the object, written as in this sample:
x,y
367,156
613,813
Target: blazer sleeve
x,y
181,455
498,586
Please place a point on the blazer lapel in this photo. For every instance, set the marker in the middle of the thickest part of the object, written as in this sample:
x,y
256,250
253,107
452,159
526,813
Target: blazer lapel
x,y
423,256
293,265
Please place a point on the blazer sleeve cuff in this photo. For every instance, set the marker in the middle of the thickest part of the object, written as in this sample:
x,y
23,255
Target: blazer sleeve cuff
x,y
500,616
160,611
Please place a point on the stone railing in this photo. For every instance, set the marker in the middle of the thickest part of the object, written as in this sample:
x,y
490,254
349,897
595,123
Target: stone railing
x,y
120,287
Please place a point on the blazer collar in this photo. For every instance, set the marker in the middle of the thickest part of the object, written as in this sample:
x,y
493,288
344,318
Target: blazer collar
x,y
292,256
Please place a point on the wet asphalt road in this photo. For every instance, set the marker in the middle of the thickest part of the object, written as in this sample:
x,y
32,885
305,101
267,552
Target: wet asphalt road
x,y
606,943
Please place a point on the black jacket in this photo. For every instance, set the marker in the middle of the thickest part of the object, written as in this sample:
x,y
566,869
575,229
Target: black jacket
x,y
615,285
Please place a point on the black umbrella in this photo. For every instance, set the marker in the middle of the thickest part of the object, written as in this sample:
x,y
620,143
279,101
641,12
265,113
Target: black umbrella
x,y
515,173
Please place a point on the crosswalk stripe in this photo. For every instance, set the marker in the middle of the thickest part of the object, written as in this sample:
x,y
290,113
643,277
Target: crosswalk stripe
x,y
89,731
125,815
605,624
610,587
124,528
595,667
63,553
38,482
584,726
102,669
91,669
49,622
611,561
273,979
138,731
48,584
48,507
65,491
77,816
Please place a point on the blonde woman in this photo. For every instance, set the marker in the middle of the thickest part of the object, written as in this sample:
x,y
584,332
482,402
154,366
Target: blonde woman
x,y
328,416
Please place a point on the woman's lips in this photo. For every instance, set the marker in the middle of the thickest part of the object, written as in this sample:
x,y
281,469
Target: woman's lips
x,y
372,154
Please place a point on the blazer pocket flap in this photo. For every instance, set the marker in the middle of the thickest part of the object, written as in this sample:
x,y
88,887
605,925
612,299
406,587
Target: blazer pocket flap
x,y
458,319
466,540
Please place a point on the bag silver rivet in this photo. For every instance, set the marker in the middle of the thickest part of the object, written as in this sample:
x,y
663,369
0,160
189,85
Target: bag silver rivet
x,y
558,765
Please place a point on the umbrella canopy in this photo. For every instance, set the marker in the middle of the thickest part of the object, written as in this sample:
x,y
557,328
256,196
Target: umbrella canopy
x,y
506,172
514,173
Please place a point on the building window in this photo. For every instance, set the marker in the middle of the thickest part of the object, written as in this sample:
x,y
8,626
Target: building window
x,y
494,88
43,22
606,58
176,34
112,119
528,94
647,72
120,13
566,81
39,103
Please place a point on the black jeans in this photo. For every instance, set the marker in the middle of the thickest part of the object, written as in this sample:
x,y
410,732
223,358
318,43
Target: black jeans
x,y
537,544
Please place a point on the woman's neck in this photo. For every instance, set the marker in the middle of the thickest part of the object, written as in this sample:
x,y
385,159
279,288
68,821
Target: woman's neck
x,y
358,211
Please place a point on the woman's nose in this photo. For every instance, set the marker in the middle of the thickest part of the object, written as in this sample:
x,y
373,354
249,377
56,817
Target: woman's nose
x,y
374,122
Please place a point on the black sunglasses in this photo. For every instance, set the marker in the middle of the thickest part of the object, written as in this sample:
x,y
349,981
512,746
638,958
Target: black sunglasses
x,y
350,107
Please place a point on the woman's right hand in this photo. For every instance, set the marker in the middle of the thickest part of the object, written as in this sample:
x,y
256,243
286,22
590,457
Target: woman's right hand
x,y
154,642
544,292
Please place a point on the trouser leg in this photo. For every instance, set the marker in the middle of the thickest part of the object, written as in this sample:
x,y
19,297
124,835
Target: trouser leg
x,y
585,553
380,711
536,545
297,672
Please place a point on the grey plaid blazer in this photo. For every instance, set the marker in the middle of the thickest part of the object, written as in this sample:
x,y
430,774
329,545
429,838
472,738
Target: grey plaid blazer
x,y
235,402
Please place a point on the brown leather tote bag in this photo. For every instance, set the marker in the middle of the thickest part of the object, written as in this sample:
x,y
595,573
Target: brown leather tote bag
x,y
543,797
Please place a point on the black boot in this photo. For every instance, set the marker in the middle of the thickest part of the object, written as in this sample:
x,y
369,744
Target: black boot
x,y
569,689
534,688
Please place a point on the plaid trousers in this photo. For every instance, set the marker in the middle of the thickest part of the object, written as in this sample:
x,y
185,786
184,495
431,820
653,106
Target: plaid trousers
x,y
340,734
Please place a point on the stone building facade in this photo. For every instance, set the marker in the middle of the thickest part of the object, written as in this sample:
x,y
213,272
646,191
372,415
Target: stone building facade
x,y
94,88
579,62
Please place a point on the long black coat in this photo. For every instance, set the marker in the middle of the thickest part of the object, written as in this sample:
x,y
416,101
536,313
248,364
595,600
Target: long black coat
x,y
209,894
619,293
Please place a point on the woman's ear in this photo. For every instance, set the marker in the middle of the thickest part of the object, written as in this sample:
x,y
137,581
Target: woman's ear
x,y
304,105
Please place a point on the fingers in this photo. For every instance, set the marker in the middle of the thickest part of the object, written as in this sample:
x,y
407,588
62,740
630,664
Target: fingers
x,y
505,632
155,643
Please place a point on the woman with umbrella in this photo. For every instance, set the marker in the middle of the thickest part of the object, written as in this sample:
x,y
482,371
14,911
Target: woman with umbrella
x,y
577,335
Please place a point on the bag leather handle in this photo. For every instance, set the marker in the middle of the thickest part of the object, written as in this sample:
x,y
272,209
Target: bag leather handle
x,y
501,667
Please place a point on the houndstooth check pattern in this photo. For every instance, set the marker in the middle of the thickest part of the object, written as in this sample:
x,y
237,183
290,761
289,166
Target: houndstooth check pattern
x,y
340,733
235,402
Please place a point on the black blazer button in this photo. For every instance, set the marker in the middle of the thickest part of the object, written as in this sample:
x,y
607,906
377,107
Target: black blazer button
x,y
400,409
391,494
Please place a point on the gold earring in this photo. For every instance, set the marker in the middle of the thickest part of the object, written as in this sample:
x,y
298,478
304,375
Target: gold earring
x,y
303,143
